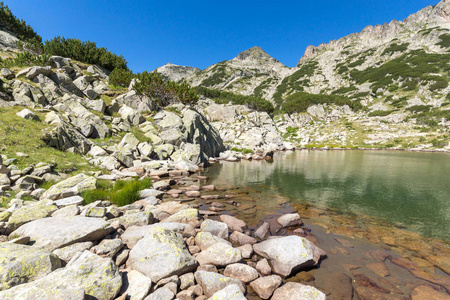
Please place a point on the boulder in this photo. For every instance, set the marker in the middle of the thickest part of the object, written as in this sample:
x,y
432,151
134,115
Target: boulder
x,y
161,294
21,264
98,277
231,291
134,233
265,286
188,216
289,220
219,254
263,231
233,223
135,285
205,240
57,232
242,272
289,254
69,252
215,227
240,239
27,114
30,213
160,254
213,282
297,291
70,187
58,61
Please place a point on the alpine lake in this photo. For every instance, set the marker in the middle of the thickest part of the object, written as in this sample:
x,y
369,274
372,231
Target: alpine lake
x,y
382,216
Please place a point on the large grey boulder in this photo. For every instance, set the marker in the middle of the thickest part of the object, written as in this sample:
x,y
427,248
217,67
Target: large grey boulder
x,y
98,277
160,254
58,61
205,240
297,291
219,254
289,254
57,232
70,187
217,228
28,213
27,114
20,264
66,137
134,233
139,103
213,282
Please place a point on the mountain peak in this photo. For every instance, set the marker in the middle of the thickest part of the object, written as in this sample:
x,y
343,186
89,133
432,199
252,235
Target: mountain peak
x,y
254,53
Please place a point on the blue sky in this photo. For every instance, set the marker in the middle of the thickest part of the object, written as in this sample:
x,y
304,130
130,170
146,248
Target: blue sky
x,y
150,34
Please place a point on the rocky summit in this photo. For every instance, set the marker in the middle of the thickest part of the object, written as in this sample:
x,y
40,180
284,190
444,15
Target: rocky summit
x,y
101,183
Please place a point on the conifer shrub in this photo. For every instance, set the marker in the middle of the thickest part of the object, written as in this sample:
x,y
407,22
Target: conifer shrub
x,y
253,102
164,92
300,101
29,39
86,52
120,77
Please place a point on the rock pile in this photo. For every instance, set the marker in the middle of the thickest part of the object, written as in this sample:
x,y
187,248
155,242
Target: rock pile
x,y
56,247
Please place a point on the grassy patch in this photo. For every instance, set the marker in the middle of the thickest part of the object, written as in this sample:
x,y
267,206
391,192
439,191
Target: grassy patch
x,y
20,135
122,192
242,150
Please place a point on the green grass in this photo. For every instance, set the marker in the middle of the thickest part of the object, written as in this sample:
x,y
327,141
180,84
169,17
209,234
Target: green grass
x,y
242,150
122,192
20,135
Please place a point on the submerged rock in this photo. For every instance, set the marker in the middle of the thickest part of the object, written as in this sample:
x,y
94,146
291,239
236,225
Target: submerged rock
x,y
297,291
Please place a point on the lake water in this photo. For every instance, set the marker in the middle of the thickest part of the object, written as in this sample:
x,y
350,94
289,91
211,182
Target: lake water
x,y
407,190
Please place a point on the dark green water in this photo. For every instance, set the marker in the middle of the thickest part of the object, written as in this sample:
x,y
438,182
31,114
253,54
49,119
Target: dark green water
x,y
403,188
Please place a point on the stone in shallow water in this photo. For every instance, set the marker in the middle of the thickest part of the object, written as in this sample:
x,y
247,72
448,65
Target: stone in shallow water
x,y
289,220
289,254
233,223
160,254
98,277
20,264
56,232
297,291
265,286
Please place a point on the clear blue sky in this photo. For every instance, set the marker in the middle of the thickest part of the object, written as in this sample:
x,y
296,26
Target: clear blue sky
x,y
195,33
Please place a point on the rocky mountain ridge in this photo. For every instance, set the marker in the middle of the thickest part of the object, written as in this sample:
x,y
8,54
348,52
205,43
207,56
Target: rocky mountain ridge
x,y
333,67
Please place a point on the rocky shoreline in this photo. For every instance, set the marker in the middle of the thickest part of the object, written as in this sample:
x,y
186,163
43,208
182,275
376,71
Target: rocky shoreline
x,y
151,249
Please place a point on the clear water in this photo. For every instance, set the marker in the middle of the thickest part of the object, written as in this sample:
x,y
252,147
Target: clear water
x,y
410,190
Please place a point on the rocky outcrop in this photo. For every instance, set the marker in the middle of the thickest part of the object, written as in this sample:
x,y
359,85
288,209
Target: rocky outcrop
x,y
176,73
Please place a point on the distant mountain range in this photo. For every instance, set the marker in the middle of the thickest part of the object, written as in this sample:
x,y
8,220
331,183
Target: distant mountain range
x,y
390,66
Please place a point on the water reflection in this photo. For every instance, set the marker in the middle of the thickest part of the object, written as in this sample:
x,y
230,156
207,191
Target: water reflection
x,y
410,189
